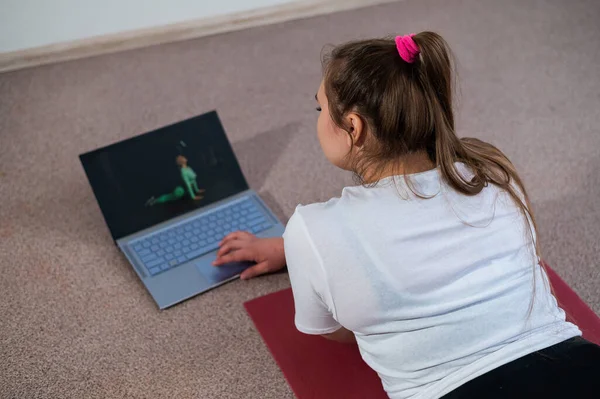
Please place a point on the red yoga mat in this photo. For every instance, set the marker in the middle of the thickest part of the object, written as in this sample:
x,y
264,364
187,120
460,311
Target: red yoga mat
x,y
317,368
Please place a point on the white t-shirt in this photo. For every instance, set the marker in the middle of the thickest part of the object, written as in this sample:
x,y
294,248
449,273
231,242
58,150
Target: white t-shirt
x,y
437,291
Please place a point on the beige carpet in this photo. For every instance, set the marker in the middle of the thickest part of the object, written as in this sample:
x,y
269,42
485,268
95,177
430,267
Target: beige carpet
x,y
75,322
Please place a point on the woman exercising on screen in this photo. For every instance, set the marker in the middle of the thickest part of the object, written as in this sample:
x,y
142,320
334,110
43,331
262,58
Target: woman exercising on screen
x,y
189,178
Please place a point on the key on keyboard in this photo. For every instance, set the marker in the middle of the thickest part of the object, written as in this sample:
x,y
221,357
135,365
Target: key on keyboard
x,y
196,237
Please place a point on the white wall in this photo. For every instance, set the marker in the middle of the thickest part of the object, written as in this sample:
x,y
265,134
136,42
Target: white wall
x,y
33,23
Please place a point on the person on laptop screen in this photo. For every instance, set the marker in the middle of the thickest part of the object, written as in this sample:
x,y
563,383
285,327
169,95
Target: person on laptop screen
x,y
432,265
189,178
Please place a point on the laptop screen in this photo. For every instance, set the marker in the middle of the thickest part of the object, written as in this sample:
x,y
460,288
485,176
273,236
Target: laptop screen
x,y
162,174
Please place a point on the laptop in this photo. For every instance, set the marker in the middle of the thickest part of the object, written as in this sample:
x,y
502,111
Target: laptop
x,y
168,197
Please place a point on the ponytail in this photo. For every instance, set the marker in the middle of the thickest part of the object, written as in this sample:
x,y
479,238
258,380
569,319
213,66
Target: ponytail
x,y
488,164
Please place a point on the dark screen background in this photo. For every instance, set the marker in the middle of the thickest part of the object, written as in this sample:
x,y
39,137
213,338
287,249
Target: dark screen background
x,y
125,175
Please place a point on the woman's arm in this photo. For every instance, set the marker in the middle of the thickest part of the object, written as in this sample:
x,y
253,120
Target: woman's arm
x,y
269,255
189,186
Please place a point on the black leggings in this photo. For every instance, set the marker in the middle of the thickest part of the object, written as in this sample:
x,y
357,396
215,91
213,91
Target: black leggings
x,y
570,369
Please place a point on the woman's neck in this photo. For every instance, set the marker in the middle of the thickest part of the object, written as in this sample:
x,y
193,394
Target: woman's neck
x,y
412,163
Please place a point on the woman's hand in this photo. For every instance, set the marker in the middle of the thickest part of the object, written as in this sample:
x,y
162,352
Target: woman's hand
x,y
241,247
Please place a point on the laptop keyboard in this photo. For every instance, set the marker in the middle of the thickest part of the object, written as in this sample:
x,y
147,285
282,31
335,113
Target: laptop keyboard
x,y
195,237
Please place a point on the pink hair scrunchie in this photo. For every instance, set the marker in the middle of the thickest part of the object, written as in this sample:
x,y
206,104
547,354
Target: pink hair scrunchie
x,y
407,48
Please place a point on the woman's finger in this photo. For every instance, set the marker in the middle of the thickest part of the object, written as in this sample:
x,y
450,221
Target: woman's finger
x,y
230,246
241,255
236,235
256,270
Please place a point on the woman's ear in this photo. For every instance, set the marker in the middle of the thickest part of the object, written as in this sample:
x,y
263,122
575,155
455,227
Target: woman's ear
x,y
356,129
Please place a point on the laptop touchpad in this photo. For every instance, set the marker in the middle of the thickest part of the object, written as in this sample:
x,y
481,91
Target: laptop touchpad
x,y
218,274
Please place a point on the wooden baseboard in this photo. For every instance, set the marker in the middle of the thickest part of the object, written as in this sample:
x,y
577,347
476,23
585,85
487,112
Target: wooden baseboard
x,y
171,33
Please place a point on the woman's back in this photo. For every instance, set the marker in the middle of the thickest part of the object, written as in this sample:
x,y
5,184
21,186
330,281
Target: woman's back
x,y
436,290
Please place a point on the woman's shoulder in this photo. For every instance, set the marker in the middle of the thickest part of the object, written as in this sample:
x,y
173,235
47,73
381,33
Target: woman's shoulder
x,y
317,215
351,201
320,210
187,171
